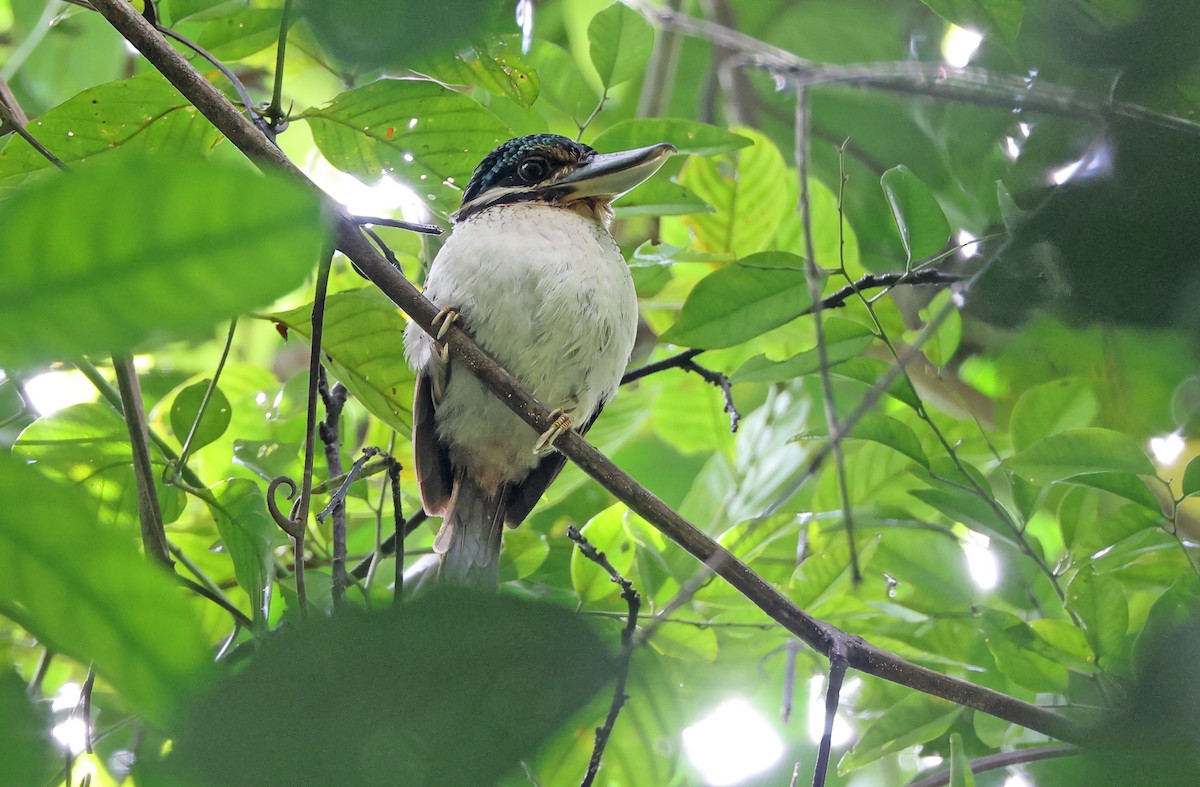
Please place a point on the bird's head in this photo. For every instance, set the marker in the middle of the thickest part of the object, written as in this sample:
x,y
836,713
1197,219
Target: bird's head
x,y
552,169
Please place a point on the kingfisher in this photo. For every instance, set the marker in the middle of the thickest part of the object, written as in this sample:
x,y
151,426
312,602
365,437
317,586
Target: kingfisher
x,y
532,273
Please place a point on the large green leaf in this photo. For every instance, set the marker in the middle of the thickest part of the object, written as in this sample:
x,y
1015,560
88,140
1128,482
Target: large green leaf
x,y
242,34
659,197
88,445
606,532
743,300
919,219
371,34
150,250
186,407
1050,408
248,534
915,719
688,136
844,340
745,189
1100,603
496,67
144,113
620,42
488,677
85,591
421,133
1078,452
203,9
364,341
28,756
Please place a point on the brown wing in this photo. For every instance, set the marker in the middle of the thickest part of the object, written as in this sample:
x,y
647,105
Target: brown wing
x,y
524,496
435,476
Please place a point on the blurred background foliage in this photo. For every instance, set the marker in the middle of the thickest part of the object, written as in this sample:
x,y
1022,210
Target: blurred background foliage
x,y
1018,494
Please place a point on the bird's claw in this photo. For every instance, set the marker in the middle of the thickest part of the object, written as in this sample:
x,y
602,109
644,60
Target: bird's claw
x,y
442,321
562,422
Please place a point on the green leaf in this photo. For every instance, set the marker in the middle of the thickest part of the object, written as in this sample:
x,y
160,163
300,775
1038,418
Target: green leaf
x,y
88,445
960,763
421,133
651,253
363,342
620,43
1050,408
886,430
844,339
819,576
1000,18
86,592
500,659
606,532
919,219
248,534
915,719
525,550
563,87
691,643
1100,603
144,113
496,67
1126,485
659,197
241,34
366,35
1078,452
967,508
1191,477
742,300
186,407
744,186
202,9
29,757
870,371
135,262
1009,639
688,136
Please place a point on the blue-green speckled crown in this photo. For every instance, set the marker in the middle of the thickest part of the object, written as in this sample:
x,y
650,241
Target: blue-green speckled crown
x,y
499,168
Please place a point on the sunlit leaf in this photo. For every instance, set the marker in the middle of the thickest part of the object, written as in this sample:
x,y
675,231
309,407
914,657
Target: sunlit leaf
x,y
844,340
895,434
421,133
1191,477
496,67
248,534
241,34
606,532
1100,603
1050,408
960,764
86,592
744,187
742,300
95,278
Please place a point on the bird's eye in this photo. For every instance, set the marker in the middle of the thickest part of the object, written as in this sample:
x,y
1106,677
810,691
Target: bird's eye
x,y
532,171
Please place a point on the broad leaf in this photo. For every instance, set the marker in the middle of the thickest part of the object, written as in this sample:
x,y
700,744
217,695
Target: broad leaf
x,y
1191,477
606,532
745,188
496,67
248,534
145,114
620,42
472,664
1050,408
919,219
85,591
186,407
364,342
423,134
698,139
29,757
1078,452
242,34
893,433
990,17
743,300
1100,603
135,262
844,340
915,719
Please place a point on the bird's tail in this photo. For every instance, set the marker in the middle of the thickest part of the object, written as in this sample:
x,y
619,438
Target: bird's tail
x,y
469,540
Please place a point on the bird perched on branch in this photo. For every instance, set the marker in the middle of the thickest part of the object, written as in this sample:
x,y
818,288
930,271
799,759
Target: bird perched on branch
x,y
532,273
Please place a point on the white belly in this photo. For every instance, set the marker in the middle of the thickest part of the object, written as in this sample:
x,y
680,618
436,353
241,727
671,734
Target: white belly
x,y
546,291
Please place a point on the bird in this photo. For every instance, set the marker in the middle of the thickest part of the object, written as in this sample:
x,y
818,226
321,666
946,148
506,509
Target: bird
x,y
532,273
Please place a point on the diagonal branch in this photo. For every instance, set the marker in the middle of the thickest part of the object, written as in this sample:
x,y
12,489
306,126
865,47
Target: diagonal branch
x,y
354,244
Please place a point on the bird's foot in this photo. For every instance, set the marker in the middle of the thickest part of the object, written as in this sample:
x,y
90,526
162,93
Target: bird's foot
x,y
562,422
442,321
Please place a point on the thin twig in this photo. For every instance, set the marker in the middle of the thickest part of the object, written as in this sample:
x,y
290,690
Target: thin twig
x,y
154,537
274,112
862,656
634,602
400,526
1004,759
334,399
14,117
722,382
208,392
411,226
833,692
815,284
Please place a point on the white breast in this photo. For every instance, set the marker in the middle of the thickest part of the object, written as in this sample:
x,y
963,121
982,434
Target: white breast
x,y
546,291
